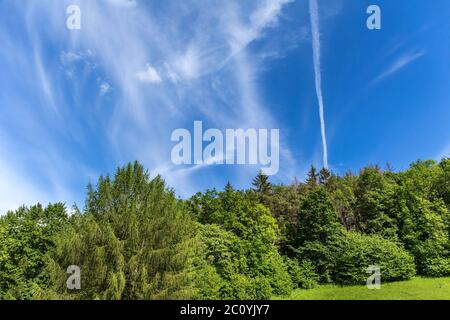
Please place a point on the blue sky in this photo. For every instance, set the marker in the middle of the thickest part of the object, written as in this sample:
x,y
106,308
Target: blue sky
x,y
75,104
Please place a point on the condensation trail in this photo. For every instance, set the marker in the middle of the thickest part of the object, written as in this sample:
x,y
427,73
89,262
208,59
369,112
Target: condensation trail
x,y
314,15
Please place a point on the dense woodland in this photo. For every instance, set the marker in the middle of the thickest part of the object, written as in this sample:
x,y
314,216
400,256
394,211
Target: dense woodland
x,y
135,239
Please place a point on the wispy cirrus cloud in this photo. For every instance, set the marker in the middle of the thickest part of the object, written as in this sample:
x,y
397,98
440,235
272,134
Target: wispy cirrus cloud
x,y
104,88
170,63
149,75
399,64
123,3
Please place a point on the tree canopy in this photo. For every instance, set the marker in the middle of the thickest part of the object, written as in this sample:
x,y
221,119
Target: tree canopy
x,y
134,239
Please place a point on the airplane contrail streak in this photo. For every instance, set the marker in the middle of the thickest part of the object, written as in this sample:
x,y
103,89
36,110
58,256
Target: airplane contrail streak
x,y
314,15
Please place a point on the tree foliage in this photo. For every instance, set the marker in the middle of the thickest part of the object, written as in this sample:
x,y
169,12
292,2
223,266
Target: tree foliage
x,y
26,235
136,240
246,230
133,242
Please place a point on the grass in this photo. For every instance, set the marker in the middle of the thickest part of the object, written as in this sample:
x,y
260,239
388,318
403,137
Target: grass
x,y
415,289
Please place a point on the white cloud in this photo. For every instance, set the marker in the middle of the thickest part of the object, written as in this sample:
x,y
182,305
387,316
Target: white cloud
x,y
187,65
267,14
264,16
123,3
104,88
170,74
45,81
149,75
69,57
399,64
211,74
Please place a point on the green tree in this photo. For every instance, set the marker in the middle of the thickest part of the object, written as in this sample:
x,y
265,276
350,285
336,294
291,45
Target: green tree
x,y
317,219
374,195
256,234
26,236
319,231
442,182
423,228
133,242
312,177
344,201
284,203
324,176
263,188
262,184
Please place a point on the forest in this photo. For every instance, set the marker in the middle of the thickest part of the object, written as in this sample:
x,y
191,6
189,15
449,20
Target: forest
x,y
136,239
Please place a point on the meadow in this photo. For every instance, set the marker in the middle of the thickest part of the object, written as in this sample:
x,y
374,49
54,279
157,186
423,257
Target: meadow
x,y
415,289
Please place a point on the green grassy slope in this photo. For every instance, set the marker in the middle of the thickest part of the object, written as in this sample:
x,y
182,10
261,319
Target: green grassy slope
x,y
415,289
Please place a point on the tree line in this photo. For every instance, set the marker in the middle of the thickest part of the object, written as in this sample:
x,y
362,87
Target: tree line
x,y
135,239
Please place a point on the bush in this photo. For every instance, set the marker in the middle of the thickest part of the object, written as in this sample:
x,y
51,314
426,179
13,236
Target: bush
x,y
239,237
233,275
358,252
345,259
242,287
277,274
303,274
207,282
222,258
437,267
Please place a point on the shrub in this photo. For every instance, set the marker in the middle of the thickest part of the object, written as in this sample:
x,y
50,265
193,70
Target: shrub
x,y
437,267
239,236
233,274
432,258
358,252
242,287
207,281
277,274
303,274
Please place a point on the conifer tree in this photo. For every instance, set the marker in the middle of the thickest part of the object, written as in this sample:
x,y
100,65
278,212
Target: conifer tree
x,y
312,177
324,176
132,242
262,184
262,187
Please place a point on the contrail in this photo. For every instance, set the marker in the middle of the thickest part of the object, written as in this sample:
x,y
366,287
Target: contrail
x,y
314,15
